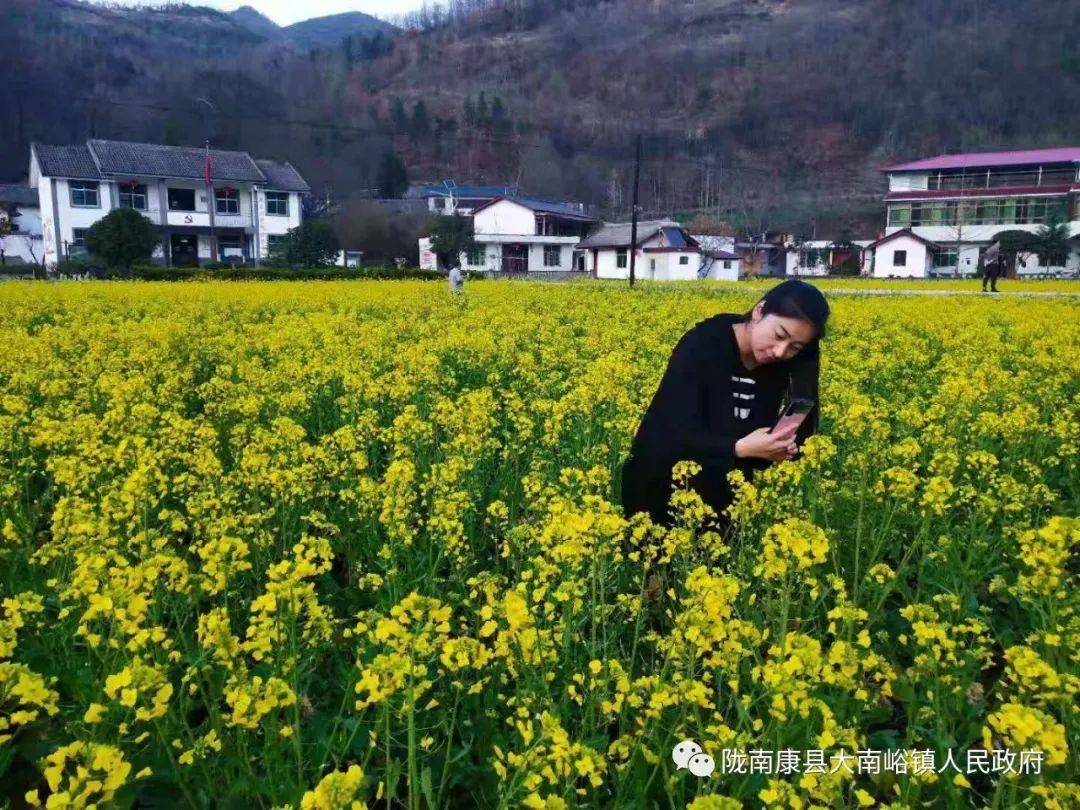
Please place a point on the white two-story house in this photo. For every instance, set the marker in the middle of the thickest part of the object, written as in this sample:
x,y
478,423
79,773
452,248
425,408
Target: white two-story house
x,y
522,235
664,251
943,212
253,201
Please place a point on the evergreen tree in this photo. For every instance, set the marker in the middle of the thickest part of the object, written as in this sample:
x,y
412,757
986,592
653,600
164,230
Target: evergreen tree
x,y
121,238
398,118
500,121
393,179
421,124
469,116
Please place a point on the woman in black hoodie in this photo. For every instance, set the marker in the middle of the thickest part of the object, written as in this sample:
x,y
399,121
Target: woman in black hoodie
x,y
721,393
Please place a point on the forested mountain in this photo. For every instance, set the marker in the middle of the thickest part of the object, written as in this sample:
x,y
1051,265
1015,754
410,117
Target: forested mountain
x,y
757,108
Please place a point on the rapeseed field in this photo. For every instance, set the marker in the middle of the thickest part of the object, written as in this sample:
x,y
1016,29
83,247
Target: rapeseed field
x,y
360,544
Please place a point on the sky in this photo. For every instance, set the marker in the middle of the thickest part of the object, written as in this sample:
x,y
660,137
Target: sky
x,y
284,12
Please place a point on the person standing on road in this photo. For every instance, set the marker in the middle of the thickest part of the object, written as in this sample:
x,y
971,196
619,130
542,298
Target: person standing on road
x,y
993,267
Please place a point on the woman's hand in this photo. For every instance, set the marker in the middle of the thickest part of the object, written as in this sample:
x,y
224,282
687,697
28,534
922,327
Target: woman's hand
x,y
769,446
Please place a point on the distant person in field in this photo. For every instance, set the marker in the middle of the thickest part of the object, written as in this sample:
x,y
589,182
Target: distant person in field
x,y
720,395
456,280
994,266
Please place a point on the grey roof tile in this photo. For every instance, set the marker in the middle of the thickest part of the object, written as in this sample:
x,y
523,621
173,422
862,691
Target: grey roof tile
x,y
617,234
282,176
66,161
125,157
18,194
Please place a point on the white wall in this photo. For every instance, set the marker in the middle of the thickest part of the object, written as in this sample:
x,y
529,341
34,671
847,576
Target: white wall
x,y
25,247
669,266
536,259
505,217
605,265
908,181
272,224
27,220
918,260
717,270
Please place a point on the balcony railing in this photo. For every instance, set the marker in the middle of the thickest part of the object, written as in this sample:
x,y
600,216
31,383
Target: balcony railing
x,y
990,178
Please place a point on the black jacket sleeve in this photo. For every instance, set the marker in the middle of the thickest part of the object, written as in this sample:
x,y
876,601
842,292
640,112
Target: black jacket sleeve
x,y
805,371
675,425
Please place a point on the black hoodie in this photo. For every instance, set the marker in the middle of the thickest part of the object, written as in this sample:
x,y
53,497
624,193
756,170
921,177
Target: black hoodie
x,y
706,401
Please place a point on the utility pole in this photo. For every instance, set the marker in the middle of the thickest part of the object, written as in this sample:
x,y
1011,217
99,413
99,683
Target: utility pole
x,y
634,209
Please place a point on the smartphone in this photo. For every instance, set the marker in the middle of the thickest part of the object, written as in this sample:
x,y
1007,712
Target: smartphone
x,y
793,415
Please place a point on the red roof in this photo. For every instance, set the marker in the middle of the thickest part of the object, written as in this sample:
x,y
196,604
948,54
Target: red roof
x,y
966,160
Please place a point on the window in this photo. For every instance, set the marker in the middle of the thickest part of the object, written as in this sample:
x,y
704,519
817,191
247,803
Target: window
x,y
900,215
899,258
77,245
620,258
275,240
727,264
1008,211
231,245
652,264
84,194
552,256
227,200
946,257
474,257
684,260
986,212
181,199
133,195
277,203
437,202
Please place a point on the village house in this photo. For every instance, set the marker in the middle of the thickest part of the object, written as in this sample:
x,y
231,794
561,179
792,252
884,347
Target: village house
x,y
719,260
822,257
254,202
943,212
664,251
19,210
522,235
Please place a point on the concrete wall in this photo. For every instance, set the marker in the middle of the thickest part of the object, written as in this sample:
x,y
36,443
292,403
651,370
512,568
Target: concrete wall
x,y
916,266
505,217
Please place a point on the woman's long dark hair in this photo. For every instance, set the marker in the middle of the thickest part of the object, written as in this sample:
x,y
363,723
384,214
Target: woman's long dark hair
x,y
795,298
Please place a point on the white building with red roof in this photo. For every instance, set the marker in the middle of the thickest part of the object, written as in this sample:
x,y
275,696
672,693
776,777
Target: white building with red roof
x,y
943,212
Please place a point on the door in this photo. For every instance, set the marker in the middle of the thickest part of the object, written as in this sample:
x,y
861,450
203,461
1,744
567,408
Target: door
x,y
515,258
184,250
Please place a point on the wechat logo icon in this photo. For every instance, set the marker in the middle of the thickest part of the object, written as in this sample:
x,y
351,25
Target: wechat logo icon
x,y
688,755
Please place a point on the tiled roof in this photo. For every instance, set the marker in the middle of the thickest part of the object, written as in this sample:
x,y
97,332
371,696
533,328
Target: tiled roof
x,y
899,233
444,190
66,161
282,176
971,160
18,194
721,254
563,210
124,157
101,159
617,234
